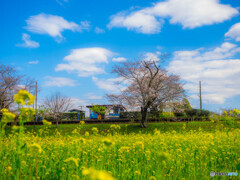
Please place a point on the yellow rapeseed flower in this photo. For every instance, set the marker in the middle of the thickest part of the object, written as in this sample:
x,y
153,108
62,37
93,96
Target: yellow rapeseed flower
x,y
152,178
236,111
162,156
225,113
94,130
86,133
27,111
22,96
124,149
82,122
82,140
45,122
4,110
15,127
137,173
73,160
36,147
97,174
7,116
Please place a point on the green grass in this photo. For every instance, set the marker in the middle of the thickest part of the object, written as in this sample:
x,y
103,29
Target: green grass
x,y
67,129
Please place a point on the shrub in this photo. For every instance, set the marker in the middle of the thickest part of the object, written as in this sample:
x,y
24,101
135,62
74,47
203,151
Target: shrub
x,y
70,115
197,113
203,112
191,112
179,114
166,115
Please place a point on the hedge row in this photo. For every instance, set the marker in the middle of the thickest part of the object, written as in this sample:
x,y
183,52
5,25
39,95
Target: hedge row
x,y
197,112
157,114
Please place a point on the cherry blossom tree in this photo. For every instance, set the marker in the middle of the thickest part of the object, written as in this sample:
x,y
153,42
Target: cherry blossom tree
x,y
149,84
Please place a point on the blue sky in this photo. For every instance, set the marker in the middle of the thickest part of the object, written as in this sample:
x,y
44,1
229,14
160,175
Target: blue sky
x,y
70,46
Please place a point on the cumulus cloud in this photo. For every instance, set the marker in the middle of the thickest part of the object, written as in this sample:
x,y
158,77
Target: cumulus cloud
x,y
27,42
216,68
52,25
151,56
86,61
77,102
99,30
234,32
33,62
119,59
59,81
189,13
139,21
110,85
92,96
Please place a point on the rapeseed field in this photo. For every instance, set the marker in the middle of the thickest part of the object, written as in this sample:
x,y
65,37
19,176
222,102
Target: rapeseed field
x,y
182,154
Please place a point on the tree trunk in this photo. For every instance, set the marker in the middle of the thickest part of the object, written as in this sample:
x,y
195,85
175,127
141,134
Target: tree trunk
x,y
143,121
57,123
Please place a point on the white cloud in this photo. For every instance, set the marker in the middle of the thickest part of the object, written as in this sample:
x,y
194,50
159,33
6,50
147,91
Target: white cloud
x,y
188,13
80,104
139,21
193,13
33,62
52,25
234,32
28,42
86,61
99,30
60,2
110,85
59,81
119,59
92,96
217,69
85,25
151,57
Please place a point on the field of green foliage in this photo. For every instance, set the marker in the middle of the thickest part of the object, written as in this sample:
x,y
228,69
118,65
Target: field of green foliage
x,y
161,151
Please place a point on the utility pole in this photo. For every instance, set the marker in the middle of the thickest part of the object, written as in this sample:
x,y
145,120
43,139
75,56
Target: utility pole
x,y
200,94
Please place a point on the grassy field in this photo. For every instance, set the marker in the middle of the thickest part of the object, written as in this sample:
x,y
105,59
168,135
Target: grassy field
x,y
161,151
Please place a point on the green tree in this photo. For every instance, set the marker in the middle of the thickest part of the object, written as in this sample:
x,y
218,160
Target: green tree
x,y
186,104
43,111
101,110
